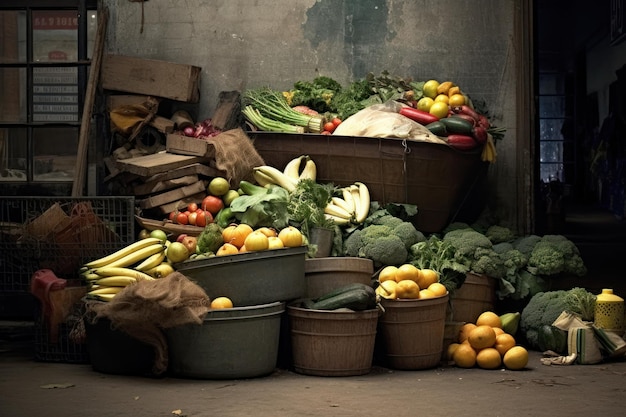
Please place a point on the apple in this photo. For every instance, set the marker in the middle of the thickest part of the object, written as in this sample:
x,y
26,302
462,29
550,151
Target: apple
x,y
159,234
177,252
212,204
190,243
191,218
181,237
144,233
229,197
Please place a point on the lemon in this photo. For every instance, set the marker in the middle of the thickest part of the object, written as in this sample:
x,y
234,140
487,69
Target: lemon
x,y
464,356
425,103
430,88
488,358
516,358
489,318
221,302
439,109
442,97
482,337
456,100
388,273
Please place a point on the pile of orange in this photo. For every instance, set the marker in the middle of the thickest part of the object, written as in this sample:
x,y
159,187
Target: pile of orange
x,y
486,345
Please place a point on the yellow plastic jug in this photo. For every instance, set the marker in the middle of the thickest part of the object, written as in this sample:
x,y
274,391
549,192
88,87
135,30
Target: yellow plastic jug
x,y
609,311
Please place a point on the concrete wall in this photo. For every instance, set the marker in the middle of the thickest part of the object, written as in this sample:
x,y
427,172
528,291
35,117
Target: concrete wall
x,y
249,43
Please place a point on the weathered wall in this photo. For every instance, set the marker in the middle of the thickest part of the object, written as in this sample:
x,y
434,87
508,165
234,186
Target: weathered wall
x,y
249,43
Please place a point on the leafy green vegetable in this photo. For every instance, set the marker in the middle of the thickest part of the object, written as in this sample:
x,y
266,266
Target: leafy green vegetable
x,y
582,302
269,209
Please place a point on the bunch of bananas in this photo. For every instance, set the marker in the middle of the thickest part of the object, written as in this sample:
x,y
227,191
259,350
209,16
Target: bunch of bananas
x,y
287,178
352,208
141,260
489,153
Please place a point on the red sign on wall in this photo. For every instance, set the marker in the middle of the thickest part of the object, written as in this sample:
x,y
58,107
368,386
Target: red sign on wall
x,y
55,20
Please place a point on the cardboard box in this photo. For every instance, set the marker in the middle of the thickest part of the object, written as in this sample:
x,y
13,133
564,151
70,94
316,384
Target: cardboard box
x,y
184,145
151,77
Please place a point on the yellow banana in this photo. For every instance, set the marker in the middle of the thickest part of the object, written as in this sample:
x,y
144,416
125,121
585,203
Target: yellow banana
x,y
103,297
354,190
310,170
90,275
337,211
160,271
117,281
105,290
129,249
262,179
114,271
151,261
347,196
137,256
340,202
292,169
338,220
364,202
277,177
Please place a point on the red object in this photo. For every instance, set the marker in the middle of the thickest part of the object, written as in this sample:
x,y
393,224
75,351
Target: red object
x,y
461,142
212,204
42,283
420,116
480,134
181,218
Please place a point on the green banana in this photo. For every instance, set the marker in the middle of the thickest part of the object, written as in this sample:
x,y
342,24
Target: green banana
x,y
510,322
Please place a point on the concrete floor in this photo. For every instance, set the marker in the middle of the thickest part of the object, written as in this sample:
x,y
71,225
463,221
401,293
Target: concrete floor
x,y
37,388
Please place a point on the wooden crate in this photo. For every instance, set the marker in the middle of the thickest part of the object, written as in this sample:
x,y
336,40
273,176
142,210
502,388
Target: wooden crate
x,y
151,77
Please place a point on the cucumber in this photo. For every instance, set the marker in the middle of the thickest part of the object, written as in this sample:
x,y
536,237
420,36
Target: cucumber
x,y
437,128
357,297
457,125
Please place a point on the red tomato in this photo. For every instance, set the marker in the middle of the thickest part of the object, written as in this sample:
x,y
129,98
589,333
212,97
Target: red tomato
x,y
172,216
212,204
191,218
204,218
325,132
192,207
182,218
199,210
329,127
336,121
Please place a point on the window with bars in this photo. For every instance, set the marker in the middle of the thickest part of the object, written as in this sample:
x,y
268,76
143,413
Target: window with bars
x,y
45,50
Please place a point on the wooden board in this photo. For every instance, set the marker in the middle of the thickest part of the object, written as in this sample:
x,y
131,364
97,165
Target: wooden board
x,y
154,187
152,77
182,203
173,195
193,169
169,227
157,163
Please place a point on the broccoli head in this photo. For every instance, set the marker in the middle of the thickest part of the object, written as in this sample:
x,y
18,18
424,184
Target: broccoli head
x,y
526,244
499,234
387,220
353,243
407,232
555,254
385,250
542,309
488,262
466,242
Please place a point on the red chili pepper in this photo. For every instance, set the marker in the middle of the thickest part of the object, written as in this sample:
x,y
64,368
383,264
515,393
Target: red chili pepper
x,y
465,109
461,142
420,116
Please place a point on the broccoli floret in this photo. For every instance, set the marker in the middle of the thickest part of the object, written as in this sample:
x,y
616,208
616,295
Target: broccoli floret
x,y
501,248
487,262
407,232
466,242
455,226
387,220
499,234
385,250
353,243
555,254
374,232
526,244
543,308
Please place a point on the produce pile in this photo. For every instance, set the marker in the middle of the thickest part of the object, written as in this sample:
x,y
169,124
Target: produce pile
x,y
488,343
323,106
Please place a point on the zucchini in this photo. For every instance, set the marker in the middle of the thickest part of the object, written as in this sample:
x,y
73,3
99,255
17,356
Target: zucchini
x,y
457,125
357,297
437,128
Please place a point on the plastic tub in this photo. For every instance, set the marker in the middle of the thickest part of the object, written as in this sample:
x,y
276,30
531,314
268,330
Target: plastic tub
x,y
240,342
251,278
